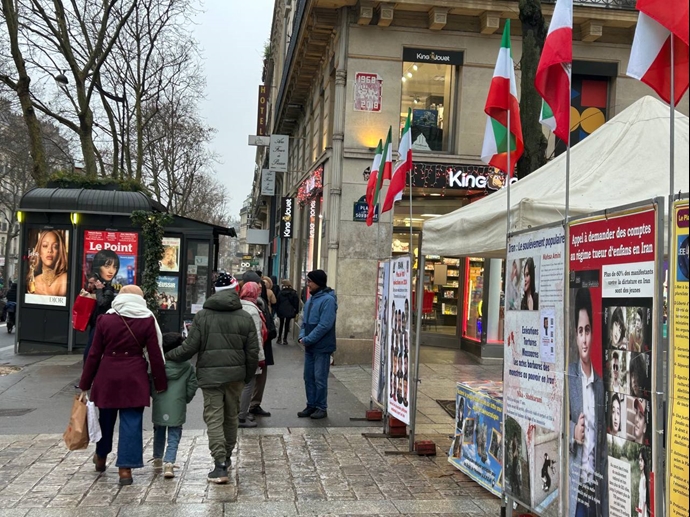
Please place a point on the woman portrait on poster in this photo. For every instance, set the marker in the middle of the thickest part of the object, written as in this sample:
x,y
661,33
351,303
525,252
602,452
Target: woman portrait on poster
x,y
513,294
106,265
48,265
617,337
643,488
615,425
530,298
169,259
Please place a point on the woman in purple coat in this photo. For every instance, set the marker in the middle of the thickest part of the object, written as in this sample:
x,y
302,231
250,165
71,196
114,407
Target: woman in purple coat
x,y
116,373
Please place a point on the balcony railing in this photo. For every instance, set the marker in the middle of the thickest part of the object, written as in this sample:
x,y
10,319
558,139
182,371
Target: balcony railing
x,y
607,4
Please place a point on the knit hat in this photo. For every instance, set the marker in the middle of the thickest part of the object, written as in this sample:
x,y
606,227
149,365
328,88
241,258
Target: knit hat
x,y
251,276
319,277
225,281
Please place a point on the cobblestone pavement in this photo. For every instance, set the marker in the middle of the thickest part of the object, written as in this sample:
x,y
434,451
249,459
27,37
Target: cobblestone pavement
x,y
275,472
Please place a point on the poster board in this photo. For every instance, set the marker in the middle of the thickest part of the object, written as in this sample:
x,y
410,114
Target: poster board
x,y
399,312
111,255
613,340
47,266
533,367
380,352
678,474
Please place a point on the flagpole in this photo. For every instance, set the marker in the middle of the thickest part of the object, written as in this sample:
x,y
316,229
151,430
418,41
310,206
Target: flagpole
x,y
509,175
672,130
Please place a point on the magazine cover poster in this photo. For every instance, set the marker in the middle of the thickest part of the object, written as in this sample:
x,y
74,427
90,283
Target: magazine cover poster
x,y
47,268
112,256
379,363
168,293
170,260
399,314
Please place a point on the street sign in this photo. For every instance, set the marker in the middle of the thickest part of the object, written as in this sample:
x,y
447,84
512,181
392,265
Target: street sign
x,y
259,141
361,210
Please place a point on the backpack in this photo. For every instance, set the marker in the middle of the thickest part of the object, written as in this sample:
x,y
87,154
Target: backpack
x,y
269,322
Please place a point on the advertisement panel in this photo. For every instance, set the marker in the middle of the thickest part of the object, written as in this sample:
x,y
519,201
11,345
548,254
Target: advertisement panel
x,y
477,448
170,260
379,363
168,293
278,153
679,376
112,256
287,207
48,266
399,314
613,291
533,367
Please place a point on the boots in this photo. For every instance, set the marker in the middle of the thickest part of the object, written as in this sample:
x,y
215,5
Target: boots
x,y
219,474
99,463
125,476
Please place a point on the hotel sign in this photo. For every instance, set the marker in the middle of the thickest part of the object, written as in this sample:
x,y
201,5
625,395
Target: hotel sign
x,y
261,121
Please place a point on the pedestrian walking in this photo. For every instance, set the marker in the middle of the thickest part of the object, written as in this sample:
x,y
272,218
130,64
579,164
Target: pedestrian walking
x,y
225,338
287,309
116,373
249,295
170,407
318,337
270,294
105,294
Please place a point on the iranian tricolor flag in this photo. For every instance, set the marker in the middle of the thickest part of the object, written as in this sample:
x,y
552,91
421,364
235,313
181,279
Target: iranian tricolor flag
x,y
402,167
650,57
552,80
383,166
374,174
502,99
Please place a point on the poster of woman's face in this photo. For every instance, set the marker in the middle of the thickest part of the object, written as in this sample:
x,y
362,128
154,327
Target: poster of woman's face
x,y
111,256
170,260
522,284
47,267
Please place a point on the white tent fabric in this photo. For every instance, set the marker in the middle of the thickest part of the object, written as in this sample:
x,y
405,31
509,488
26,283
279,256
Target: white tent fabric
x,y
625,161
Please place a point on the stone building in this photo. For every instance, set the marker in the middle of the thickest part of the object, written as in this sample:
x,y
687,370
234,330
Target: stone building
x,y
340,72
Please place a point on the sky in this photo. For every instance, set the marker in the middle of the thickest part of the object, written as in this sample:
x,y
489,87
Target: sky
x,y
231,34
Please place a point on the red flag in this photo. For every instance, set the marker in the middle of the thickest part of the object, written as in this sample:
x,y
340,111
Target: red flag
x,y
672,14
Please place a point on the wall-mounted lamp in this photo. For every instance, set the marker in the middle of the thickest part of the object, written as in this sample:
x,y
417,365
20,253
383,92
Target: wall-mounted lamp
x,y
20,216
74,217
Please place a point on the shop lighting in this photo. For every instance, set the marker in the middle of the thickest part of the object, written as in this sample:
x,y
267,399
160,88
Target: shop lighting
x,y
404,79
435,194
431,215
416,100
409,74
415,67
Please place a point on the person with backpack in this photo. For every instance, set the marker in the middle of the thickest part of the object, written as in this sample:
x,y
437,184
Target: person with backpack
x,y
287,309
249,294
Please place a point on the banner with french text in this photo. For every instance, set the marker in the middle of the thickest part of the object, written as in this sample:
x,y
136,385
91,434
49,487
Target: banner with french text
x,y
399,314
613,322
533,367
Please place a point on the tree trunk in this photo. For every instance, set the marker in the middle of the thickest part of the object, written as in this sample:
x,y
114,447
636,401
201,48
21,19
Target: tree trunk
x,y
533,35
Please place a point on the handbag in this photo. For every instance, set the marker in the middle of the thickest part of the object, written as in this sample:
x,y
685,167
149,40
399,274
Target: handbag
x,y
92,423
76,436
82,310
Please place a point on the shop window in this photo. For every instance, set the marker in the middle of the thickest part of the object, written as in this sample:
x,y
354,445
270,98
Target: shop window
x,y
474,316
427,89
197,274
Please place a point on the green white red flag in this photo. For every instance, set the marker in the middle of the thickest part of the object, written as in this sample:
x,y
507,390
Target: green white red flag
x,y
552,80
384,168
402,168
502,99
374,174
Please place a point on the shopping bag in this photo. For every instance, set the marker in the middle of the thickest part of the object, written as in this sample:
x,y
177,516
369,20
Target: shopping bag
x,y
76,435
92,422
82,310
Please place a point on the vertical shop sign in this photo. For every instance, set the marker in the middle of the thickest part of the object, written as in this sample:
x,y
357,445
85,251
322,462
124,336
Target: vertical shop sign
x,y
261,123
534,365
48,267
379,359
399,314
268,182
613,283
477,447
287,205
368,92
278,153
112,256
678,378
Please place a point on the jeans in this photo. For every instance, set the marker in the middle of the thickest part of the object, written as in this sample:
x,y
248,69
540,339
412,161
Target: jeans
x,y
284,323
130,445
221,404
316,369
246,397
174,435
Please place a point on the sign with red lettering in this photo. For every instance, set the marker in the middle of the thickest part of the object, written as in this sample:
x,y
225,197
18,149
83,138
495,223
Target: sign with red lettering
x,y
368,92
111,256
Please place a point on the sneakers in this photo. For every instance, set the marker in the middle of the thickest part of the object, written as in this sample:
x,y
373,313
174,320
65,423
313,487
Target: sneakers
x,y
157,463
168,471
307,411
246,423
259,411
319,414
219,475
282,342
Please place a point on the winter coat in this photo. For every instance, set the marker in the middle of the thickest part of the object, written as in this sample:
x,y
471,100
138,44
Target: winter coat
x,y
225,338
115,370
170,407
318,322
268,344
270,296
288,303
251,309
104,301
276,286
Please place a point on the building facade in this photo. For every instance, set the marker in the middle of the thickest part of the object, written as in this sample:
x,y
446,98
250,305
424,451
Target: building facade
x,y
339,73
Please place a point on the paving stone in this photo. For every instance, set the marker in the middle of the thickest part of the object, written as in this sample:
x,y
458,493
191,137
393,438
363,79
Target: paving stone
x,y
347,507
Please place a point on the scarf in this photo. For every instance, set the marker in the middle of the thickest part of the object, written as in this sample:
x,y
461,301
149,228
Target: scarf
x,y
134,306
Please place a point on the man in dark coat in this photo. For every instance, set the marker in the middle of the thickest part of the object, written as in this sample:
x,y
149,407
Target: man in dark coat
x,y
225,338
318,337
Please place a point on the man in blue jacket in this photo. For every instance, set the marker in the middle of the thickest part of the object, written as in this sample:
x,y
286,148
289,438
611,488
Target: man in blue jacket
x,y
318,337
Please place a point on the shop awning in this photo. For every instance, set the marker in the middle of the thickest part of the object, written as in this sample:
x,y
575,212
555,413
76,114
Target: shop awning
x,y
625,161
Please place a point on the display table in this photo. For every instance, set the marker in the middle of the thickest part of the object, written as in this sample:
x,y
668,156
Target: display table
x,y
477,448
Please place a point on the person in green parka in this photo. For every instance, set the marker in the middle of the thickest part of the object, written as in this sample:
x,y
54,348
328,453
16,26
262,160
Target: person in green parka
x,y
170,407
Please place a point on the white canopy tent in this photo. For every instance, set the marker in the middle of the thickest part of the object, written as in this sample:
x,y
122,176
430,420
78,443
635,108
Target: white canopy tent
x,y
625,161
